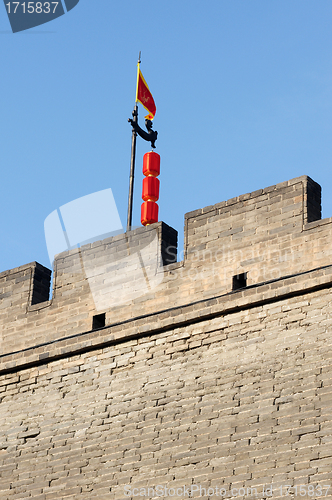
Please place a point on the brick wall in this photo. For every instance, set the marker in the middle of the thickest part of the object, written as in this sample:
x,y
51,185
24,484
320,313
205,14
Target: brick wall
x,y
266,234
192,383
240,400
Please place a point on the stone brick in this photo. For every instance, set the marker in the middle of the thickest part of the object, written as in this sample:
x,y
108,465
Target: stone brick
x,y
190,383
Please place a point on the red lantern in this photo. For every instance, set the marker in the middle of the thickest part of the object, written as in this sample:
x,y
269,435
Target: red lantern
x,y
149,212
151,164
150,194
150,188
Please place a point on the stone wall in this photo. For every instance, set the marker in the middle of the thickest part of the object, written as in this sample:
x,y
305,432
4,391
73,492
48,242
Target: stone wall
x,y
265,235
204,381
241,400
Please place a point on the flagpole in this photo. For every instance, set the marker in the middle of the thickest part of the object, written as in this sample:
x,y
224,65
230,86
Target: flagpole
x,y
133,156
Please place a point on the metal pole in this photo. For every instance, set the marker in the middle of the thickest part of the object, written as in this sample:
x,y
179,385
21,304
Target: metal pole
x,y
132,171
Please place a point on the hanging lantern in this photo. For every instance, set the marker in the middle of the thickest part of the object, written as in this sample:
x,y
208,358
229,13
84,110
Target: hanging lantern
x,y
150,189
150,193
151,164
149,212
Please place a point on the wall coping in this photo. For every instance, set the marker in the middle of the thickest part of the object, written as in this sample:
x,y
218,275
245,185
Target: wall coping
x,y
248,196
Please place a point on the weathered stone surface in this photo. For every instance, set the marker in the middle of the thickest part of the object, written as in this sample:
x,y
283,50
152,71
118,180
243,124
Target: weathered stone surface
x,y
191,384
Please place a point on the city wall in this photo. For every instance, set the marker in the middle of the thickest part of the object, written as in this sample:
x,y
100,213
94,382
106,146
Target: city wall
x,y
267,234
219,375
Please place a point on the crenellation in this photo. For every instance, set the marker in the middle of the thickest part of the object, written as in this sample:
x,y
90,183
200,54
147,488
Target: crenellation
x,y
190,382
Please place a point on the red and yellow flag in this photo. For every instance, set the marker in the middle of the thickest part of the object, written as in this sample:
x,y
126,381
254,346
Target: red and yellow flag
x,y
144,96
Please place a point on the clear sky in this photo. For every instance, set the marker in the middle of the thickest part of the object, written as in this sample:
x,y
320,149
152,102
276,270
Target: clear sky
x,y
243,90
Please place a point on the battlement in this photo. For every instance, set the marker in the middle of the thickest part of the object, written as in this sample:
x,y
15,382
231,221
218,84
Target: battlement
x,y
254,239
143,372
271,211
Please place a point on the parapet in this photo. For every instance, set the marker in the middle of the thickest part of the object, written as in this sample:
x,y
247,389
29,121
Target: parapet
x,y
232,251
21,287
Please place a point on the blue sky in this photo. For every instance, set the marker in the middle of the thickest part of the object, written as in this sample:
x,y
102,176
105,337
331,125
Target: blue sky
x,y
243,90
